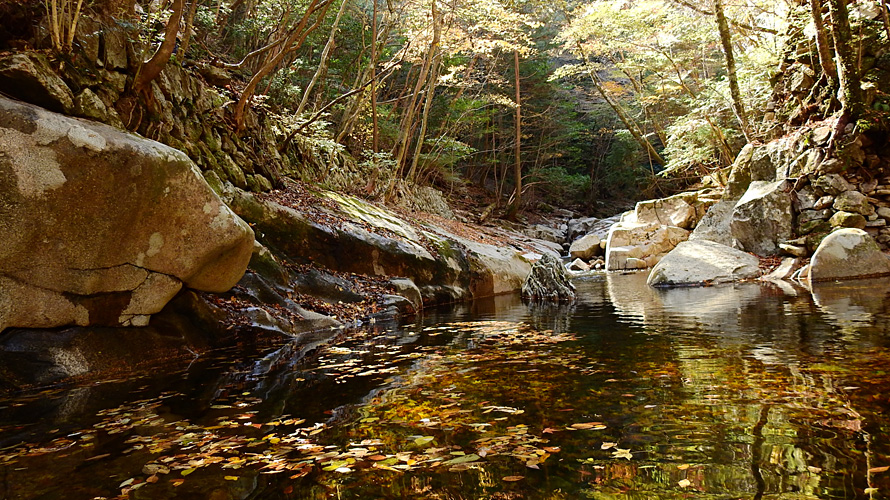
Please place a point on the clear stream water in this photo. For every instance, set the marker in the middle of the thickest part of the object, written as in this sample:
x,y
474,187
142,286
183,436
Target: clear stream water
x,y
742,391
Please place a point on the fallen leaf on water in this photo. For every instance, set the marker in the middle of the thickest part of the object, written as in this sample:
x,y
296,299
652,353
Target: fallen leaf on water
x,y
588,425
377,458
151,479
684,483
513,478
878,469
177,482
187,472
288,490
549,430
869,491
683,467
606,446
622,453
231,478
423,440
552,449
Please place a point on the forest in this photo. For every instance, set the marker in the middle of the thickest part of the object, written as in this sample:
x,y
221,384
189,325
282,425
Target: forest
x,y
560,103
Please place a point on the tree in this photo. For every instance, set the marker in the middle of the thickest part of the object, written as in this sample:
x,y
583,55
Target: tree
x,y
848,72
292,41
153,67
726,41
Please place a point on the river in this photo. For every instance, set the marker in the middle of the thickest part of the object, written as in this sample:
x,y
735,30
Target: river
x,y
738,391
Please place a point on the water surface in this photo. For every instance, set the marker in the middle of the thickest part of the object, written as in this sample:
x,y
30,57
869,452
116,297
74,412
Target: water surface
x,y
738,391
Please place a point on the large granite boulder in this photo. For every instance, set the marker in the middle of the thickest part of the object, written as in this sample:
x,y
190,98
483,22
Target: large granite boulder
x,y
762,218
102,227
702,262
636,245
845,254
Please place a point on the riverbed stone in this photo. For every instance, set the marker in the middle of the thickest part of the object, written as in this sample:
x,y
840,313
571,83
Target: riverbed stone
x,y
673,211
762,217
102,227
845,254
586,247
548,281
702,262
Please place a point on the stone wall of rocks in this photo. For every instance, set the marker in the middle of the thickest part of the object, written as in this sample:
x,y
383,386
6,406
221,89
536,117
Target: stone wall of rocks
x,y
186,108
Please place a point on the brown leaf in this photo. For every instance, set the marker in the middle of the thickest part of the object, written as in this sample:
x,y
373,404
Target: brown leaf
x,y
513,478
879,469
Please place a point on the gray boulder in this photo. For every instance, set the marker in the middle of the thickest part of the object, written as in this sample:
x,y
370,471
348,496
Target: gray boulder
x,y
845,254
703,262
29,78
762,217
714,226
101,227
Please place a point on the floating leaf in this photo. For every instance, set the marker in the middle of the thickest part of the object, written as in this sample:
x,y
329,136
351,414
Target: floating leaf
x,y
513,478
606,446
588,425
684,483
231,478
186,472
472,457
423,440
621,453
177,482
552,449
878,469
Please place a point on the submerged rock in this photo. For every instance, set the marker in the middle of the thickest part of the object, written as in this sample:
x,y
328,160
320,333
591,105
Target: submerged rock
x,y
547,280
102,227
702,262
846,254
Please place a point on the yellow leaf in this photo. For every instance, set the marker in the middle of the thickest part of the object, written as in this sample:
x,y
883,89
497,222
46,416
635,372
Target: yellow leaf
x,y
684,483
231,478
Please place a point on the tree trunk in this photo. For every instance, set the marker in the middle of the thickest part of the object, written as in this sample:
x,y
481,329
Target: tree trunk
x,y
407,122
430,95
726,40
189,27
375,132
848,74
517,149
296,38
151,69
822,45
323,64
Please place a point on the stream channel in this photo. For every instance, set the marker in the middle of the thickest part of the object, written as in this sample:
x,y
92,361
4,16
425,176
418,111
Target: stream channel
x,y
750,390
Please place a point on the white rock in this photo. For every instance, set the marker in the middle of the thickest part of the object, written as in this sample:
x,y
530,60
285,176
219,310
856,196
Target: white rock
x,y
845,254
703,262
585,247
